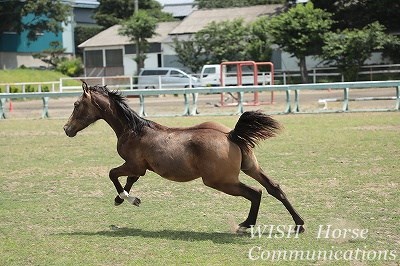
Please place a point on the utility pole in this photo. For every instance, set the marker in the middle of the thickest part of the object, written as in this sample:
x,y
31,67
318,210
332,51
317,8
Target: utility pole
x,y
136,5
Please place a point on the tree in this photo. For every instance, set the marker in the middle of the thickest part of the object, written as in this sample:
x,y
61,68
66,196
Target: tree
x,y
224,41
230,40
140,27
53,55
300,31
349,49
83,33
259,48
33,16
216,43
190,54
359,13
112,12
392,49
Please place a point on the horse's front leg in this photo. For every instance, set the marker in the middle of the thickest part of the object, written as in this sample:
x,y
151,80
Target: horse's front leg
x,y
115,173
130,180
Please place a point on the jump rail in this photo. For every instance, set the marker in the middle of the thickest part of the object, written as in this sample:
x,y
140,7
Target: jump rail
x,y
345,86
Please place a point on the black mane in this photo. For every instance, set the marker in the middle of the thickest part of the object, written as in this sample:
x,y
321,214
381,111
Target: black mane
x,y
134,121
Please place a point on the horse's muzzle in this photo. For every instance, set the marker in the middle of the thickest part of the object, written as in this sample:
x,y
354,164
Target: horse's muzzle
x,y
70,133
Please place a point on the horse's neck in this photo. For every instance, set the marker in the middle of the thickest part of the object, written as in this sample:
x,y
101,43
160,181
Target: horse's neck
x,y
110,115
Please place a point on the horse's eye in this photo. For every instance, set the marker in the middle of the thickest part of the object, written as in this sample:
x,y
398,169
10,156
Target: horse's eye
x,y
76,104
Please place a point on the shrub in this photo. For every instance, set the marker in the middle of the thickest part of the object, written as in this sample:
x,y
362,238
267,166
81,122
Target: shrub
x,y
14,89
72,67
29,88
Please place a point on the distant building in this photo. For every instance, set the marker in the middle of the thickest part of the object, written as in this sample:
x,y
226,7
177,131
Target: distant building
x,y
17,50
109,53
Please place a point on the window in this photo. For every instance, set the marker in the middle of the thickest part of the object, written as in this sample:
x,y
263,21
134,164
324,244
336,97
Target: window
x,y
94,58
156,72
114,58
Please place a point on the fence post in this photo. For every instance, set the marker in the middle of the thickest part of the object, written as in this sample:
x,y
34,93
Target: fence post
x,y
240,103
2,108
141,100
284,78
314,75
288,105
131,82
345,100
45,112
194,108
187,110
398,98
296,101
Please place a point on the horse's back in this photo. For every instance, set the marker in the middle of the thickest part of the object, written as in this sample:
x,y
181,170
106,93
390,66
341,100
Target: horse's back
x,y
214,126
183,154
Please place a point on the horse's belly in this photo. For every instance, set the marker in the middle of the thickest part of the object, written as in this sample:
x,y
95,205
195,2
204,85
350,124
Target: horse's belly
x,y
177,175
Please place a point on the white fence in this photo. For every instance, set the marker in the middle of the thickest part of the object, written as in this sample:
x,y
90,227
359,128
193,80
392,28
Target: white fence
x,y
369,73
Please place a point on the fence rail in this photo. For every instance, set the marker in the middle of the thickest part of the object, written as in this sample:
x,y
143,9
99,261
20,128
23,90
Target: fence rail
x,y
191,107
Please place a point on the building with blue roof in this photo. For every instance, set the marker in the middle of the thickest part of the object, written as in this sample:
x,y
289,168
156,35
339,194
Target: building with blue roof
x,y
16,50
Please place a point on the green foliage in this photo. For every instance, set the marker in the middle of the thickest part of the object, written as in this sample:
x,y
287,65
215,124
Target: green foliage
x,y
359,13
392,49
300,31
44,15
53,55
349,49
112,12
224,41
71,67
140,27
189,54
83,33
259,48
29,75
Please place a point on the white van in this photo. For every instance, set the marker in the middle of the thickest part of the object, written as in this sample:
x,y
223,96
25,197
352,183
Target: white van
x,y
211,76
166,77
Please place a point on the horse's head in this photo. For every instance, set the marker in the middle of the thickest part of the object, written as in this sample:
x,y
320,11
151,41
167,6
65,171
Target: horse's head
x,y
85,112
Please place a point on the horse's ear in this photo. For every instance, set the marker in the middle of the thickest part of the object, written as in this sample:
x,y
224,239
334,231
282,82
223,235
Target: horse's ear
x,y
85,88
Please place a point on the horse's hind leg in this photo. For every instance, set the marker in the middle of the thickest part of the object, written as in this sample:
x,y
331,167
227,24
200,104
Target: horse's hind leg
x,y
275,190
240,189
130,180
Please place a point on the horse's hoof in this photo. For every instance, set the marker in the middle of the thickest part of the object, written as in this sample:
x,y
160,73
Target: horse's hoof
x,y
136,201
241,230
300,229
118,201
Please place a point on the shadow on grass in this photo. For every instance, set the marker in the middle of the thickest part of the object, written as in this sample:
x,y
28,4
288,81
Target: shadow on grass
x,y
215,237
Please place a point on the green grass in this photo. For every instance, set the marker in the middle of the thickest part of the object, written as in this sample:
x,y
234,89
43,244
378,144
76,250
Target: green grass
x,y
29,75
56,201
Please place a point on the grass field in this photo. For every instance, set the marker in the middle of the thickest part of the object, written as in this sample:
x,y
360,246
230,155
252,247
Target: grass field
x,y
56,201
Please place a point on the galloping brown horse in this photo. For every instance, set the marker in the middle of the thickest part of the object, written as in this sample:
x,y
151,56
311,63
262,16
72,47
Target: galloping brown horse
x,y
209,150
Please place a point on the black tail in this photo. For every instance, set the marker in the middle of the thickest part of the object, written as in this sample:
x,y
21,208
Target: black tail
x,y
252,127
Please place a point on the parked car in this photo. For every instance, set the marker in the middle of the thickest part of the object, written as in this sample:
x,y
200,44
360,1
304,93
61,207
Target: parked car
x,y
166,77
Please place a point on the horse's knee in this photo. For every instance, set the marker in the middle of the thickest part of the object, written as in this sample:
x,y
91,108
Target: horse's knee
x,y
113,174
